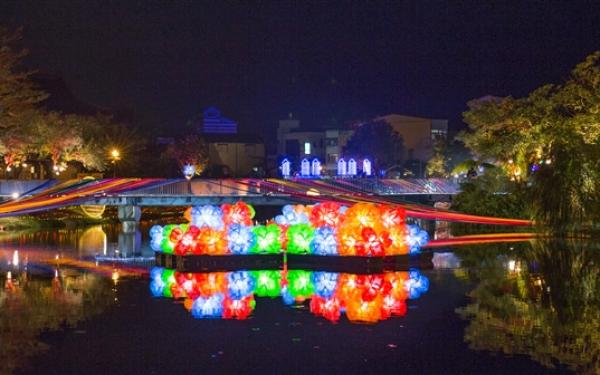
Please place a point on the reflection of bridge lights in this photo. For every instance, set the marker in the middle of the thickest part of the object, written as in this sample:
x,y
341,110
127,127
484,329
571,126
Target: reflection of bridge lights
x,y
115,276
15,258
514,266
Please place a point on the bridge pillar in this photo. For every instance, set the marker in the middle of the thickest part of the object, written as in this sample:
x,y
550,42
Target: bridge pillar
x,y
130,243
129,217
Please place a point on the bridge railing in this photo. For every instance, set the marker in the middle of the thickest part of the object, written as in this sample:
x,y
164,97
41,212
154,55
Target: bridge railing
x,y
205,187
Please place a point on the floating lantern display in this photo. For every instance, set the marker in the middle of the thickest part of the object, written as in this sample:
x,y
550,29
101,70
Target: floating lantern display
x,y
327,228
231,295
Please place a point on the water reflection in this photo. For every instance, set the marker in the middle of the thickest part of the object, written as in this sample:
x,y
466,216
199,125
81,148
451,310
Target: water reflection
x,y
542,301
34,303
231,295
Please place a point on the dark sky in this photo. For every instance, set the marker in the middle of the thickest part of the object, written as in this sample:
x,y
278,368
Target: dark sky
x,y
322,61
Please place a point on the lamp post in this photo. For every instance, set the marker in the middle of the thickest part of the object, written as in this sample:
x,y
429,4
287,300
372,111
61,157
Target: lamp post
x,y
115,156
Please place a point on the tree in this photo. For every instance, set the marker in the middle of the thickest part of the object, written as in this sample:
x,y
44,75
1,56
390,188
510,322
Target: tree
x,y
436,166
18,96
547,308
378,142
190,150
549,141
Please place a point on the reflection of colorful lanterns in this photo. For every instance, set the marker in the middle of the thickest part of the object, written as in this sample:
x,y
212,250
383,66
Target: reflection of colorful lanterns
x,y
300,285
268,283
231,295
325,283
211,307
240,284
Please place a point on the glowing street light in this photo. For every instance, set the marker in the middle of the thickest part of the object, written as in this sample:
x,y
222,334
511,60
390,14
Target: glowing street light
x,y
115,156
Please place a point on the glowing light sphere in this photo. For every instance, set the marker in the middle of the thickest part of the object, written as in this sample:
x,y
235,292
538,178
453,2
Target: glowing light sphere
x,y
291,215
240,239
266,239
211,307
326,213
188,171
300,285
209,216
238,308
299,238
240,284
157,285
268,283
329,308
325,283
324,242
416,284
238,213
416,238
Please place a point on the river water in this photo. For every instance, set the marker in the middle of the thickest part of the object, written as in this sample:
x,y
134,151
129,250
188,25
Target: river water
x,y
92,301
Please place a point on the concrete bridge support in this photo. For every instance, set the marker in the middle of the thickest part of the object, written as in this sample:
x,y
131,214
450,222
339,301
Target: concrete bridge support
x,y
130,218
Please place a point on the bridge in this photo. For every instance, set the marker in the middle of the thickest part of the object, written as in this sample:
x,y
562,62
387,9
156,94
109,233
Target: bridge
x,y
25,197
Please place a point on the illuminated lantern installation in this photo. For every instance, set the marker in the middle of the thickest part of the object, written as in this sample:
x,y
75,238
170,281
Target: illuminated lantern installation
x,y
316,167
352,170
266,239
285,168
367,167
268,283
240,239
299,238
341,167
326,228
305,168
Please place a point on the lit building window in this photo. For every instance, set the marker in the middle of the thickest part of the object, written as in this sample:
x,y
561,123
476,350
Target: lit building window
x,y
306,148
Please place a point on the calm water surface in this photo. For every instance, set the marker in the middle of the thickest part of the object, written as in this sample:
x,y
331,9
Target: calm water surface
x,y
92,301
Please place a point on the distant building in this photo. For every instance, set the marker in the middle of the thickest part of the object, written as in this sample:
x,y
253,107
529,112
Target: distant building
x,y
230,153
214,123
418,134
235,155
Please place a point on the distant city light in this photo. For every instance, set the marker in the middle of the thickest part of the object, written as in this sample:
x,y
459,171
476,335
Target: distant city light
x,y
15,195
306,148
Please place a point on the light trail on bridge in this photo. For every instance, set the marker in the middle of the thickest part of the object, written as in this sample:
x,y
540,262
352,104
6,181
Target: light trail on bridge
x,y
75,192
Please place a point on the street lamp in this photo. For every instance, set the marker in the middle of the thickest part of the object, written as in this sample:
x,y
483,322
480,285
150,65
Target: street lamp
x,y
115,156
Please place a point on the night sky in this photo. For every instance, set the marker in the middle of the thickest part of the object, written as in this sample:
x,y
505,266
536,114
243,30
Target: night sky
x,y
325,63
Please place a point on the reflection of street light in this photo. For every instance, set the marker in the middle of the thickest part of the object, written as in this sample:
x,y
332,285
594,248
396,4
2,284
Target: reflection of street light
x,y
115,156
